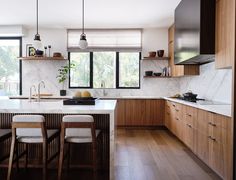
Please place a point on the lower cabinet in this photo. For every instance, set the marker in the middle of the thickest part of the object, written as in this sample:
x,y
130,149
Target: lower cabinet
x,y
207,134
140,112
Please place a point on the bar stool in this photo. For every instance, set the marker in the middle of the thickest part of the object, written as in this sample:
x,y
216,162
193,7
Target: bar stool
x,y
78,129
30,129
4,135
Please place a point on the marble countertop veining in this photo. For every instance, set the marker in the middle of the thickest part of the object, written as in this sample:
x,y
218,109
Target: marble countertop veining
x,y
56,106
223,109
102,97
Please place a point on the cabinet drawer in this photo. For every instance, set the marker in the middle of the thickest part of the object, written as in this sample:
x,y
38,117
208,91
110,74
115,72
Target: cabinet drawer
x,y
221,121
190,116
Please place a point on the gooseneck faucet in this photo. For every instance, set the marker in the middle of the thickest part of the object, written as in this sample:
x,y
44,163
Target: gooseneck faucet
x,y
31,88
39,86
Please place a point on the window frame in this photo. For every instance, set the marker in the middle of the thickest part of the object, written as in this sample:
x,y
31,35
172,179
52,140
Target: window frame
x,y
20,55
117,73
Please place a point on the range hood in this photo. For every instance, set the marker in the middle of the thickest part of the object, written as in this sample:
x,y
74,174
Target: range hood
x,y
195,32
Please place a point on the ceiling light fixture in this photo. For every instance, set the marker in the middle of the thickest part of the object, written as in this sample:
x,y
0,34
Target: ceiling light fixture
x,y
37,40
83,44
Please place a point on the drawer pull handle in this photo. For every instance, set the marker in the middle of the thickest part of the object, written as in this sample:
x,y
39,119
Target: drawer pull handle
x,y
173,105
212,124
177,110
189,125
189,115
177,119
211,138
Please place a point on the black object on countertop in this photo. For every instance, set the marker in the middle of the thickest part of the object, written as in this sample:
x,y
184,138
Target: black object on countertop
x,y
80,101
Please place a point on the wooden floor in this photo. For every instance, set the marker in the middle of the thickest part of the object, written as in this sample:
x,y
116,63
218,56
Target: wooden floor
x,y
156,155
140,155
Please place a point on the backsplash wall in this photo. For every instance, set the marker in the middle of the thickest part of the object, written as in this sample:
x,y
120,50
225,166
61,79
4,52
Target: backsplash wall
x,y
212,84
153,39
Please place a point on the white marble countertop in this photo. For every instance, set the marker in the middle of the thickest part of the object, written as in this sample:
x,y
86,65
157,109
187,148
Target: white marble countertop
x,y
102,97
223,109
55,106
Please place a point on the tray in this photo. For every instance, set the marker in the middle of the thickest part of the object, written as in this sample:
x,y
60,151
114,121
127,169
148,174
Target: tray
x,y
80,101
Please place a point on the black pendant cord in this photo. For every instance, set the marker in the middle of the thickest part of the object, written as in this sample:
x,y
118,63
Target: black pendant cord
x,y
82,16
37,16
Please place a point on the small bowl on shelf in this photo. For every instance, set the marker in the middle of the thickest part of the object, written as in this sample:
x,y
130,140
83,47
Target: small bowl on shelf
x,y
157,74
148,73
152,54
160,53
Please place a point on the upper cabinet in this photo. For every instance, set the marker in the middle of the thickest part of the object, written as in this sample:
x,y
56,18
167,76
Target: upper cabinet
x,y
225,33
179,70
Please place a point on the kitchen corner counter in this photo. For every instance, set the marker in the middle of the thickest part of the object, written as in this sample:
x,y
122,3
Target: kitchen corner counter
x,y
224,109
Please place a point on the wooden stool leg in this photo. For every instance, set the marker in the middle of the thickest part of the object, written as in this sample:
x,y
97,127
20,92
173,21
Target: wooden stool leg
x,y
13,141
17,156
68,158
26,155
94,161
61,156
45,158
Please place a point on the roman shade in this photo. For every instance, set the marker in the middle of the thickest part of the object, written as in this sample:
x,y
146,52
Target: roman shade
x,y
106,40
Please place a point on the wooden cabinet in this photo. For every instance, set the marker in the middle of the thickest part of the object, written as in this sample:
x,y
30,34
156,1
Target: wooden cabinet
x,y
207,134
179,70
120,112
225,33
140,112
189,127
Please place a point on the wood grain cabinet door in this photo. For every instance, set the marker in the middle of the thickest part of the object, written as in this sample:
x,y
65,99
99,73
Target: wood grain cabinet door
x,y
135,112
154,112
225,33
121,113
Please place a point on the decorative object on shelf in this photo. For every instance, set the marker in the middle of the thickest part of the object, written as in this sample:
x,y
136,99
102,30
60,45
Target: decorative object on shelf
x,y
57,54
39,53
166,71
63,76
83,44
37,39
152,54
27,46
49,50
160,53
31,51
45,51
157,74
148,73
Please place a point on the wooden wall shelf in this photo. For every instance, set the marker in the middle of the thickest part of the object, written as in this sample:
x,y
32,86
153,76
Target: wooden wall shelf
x,y
43,58
156,58
157,76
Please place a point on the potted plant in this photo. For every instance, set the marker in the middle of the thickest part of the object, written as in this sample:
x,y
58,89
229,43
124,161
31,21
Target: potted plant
x,y
63,76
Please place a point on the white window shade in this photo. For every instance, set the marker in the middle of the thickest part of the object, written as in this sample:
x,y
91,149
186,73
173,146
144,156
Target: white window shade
x,y
124,40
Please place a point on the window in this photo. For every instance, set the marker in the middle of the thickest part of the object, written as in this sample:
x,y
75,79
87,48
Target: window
x,y
114,58
10,66
105,70
80,75
129,69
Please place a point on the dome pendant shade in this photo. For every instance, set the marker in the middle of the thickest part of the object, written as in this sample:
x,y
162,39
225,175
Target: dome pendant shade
x,y
83,44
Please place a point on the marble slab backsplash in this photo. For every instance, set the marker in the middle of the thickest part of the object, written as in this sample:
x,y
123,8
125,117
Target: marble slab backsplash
x,y
34,72
212,84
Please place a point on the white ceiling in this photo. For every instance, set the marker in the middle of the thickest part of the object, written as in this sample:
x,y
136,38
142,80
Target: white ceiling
x,y
98,13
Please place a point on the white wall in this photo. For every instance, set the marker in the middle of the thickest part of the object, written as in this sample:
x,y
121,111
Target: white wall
x,y
153,39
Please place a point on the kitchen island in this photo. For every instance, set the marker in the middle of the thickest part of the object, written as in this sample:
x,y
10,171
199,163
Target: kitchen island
x,y
104,113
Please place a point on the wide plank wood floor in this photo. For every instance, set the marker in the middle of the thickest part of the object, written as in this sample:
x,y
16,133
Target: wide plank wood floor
x,y
156,155
140,155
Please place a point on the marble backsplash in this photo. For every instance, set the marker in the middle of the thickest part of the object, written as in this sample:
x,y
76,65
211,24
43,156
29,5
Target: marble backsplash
x,y
212,84
34,72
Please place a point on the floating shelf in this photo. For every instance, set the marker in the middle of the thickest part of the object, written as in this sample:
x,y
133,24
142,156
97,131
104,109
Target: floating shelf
x,y
157,76
42,58
156,58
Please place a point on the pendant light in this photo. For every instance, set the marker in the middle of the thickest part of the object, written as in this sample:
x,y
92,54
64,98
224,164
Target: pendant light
x,y
83,44
37,41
